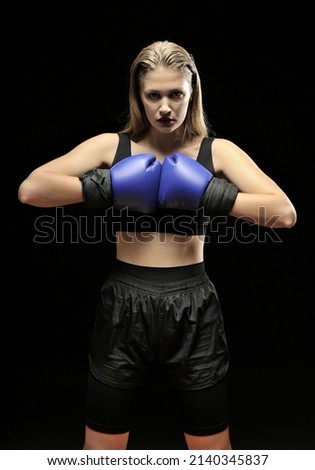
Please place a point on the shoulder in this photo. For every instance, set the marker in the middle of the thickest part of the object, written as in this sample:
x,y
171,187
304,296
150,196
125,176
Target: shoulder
x,y
221,145
226,153
103,146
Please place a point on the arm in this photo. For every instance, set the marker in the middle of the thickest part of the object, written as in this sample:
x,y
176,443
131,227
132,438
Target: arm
x,y
259,200
57,182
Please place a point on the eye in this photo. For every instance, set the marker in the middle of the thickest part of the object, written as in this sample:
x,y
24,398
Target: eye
x,y
177,94
153,96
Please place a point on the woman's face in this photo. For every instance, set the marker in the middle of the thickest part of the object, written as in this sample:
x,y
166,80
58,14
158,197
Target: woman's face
x,y
165,95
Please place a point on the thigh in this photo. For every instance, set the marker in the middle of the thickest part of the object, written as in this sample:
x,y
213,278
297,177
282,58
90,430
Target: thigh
x,y
109,409
195,352
204,412
121,347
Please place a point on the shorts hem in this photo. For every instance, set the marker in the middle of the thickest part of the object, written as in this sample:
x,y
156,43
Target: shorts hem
x,y
104,378
207,431
107,429
195,387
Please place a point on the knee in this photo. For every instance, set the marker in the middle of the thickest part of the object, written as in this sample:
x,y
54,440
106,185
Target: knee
x,y
95,440
219,441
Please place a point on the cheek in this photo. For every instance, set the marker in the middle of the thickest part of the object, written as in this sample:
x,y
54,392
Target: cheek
x,y
184,107
149,110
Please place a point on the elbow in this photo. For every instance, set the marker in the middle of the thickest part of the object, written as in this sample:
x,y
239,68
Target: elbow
x,y
289,216
290,219
31,189
25,194
22,194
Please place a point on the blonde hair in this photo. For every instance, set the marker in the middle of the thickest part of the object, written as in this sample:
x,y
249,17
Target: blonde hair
x,y
171,55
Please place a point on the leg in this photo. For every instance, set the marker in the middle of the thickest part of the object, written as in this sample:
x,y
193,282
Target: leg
x,y
218,441
205,417
108,415
98,440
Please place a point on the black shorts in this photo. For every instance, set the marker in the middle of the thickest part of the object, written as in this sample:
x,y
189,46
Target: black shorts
x,y
198,412
165,317
158,317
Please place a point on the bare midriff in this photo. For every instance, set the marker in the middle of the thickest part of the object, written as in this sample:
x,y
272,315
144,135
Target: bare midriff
x,y
159,249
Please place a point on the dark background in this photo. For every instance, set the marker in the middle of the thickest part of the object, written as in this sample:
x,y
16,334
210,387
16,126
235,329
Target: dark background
x,y
65,75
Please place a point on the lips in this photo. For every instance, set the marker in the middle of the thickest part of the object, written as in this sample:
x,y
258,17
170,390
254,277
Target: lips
x,y
165,120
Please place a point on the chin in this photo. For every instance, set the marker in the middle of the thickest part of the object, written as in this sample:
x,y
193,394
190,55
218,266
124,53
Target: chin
x,y
167,129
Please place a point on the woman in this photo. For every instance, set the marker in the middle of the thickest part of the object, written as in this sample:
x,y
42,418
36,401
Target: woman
x,y
165,175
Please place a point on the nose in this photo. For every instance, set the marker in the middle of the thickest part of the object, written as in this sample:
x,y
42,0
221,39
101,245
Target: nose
x,y
165,108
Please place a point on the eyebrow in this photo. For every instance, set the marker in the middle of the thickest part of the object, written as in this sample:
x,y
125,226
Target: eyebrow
x,y
159,91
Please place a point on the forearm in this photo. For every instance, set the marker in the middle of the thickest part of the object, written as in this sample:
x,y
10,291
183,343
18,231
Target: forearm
x,y
268,210
49,189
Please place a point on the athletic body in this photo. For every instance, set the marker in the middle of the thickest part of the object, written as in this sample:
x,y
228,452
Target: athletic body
x,y
166,125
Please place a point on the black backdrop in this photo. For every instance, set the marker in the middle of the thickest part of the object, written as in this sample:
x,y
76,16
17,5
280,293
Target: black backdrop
x,y
65,79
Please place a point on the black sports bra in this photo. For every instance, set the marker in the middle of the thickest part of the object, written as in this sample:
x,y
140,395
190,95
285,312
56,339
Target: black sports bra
x,y
204,155
179,222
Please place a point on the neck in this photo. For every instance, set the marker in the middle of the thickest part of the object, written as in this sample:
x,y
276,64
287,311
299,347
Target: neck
x,y
165,143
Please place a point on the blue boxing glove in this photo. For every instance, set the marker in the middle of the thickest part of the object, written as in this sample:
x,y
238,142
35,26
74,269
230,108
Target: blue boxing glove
x,y
183,182
135,183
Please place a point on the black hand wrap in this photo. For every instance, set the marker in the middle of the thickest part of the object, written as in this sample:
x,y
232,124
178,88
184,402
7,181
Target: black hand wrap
x,y
96,188
219,197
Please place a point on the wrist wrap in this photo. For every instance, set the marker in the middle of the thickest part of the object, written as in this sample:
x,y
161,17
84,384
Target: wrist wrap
x,y
219,197
96,188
